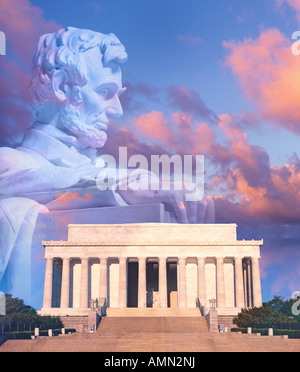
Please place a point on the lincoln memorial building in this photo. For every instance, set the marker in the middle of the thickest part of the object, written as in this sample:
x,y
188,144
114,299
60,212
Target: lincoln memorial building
x,y
158,265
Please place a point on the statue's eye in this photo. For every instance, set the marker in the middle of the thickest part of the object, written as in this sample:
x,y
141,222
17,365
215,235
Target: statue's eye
x,y
107,91
104,92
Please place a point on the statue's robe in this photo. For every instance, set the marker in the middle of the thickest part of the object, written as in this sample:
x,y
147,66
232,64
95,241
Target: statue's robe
x,y
24,194
28,191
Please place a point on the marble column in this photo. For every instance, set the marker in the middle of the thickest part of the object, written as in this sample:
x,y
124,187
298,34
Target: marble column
x,y
182,292
84,283
65,283
47,302
239,286
103,278
122,282
142,295
201,281
162,282
245,283
249,282
257,298
221,302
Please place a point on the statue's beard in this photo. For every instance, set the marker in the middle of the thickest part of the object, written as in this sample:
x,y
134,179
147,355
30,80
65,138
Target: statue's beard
x,y
88,135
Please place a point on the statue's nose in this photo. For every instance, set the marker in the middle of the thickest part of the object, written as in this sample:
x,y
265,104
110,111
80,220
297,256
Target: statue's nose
x,y
114,108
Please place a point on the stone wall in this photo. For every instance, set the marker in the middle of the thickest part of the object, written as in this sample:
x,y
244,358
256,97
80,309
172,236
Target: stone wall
x,y
80,323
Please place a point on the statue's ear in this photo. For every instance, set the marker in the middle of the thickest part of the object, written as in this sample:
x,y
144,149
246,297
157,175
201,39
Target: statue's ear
x,y
59,85
74,95
65,92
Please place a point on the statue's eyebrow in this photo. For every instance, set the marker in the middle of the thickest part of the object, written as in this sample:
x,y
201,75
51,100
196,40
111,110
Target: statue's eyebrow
x,y
113,89
106,85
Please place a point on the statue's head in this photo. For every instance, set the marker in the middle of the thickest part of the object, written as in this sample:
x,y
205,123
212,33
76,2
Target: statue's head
x,y
77,82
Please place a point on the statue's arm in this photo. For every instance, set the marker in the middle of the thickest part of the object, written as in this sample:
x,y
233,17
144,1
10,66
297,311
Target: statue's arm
x,y
35,180
15,181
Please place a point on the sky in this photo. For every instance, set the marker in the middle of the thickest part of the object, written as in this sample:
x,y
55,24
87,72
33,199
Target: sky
x,y
216,78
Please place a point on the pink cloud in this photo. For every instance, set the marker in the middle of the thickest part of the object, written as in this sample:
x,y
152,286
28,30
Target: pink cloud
x,y
246,185
203,140
193,137
179,132
277,202
23,24
251,188
269,76
182,120
252,161
153,126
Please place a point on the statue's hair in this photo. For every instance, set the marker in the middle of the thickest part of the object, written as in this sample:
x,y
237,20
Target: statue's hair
x,y
64,51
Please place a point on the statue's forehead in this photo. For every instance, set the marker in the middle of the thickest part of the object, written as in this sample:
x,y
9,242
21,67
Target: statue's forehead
x,y
97,73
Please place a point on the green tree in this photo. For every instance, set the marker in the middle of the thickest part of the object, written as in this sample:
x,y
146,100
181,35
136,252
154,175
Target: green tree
x,y
19,313
17,306
277,311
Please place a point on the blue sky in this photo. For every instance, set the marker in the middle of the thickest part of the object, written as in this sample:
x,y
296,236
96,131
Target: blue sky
x,y
181,43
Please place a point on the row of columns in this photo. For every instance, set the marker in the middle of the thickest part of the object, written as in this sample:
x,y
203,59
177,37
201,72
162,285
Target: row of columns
x,y
163,302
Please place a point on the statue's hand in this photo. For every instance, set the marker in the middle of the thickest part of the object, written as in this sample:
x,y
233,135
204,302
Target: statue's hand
x,y
86,173
185,211
188,210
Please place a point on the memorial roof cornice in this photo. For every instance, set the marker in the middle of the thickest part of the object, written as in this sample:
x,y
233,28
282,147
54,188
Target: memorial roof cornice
x,y
148,243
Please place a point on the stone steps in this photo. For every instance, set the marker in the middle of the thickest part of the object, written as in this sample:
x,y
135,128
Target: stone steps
x,y
120,325
153,312
154,342
153,334
16,346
